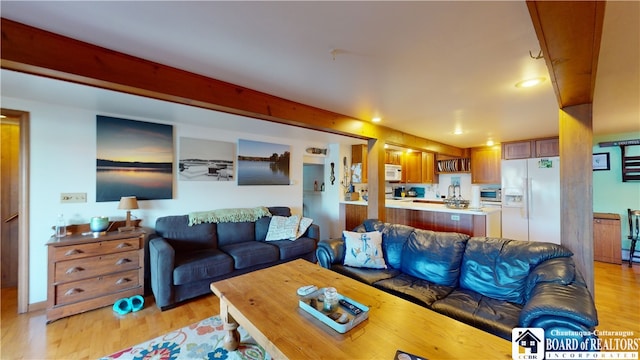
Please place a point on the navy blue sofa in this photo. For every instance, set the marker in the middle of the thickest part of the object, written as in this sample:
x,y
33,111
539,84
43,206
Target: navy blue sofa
x,y
493,284
185,260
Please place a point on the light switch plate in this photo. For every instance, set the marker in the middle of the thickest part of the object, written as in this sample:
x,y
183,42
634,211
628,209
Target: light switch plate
x,y
66,198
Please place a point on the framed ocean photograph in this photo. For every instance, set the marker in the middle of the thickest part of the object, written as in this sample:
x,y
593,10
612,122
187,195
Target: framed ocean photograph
x,y
261,163
206,160
134,158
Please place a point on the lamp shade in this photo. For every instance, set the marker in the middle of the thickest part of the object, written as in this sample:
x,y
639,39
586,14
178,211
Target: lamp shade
x,y
128,203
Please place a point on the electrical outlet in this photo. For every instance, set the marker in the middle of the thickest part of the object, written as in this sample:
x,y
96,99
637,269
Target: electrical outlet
x,y
455,217
66,198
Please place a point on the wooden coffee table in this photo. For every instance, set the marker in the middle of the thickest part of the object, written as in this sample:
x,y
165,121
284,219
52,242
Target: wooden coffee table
x,y
265,303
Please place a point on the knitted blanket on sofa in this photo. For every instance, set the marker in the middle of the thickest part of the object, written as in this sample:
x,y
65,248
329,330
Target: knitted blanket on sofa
x,y
228,215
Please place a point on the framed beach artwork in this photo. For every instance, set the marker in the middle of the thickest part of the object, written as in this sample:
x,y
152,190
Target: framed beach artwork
x,y
261,163
206,160
134,158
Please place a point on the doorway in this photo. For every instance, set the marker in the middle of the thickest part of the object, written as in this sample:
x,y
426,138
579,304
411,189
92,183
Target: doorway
x,y
14,251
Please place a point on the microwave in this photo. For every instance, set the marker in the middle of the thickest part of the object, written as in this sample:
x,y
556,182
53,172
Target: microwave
x,y
392,172
491,194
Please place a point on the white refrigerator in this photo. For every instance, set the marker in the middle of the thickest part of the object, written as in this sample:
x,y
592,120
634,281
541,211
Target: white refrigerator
x,y
531,199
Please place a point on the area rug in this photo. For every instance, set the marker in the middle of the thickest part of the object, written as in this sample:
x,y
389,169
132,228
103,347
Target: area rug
x,y
202,340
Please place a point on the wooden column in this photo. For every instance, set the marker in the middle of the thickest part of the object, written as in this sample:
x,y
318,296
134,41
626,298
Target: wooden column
x,y
375,182
576,185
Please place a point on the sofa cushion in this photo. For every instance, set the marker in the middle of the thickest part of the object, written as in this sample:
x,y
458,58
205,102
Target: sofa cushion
x,y
182,237
373,225
495,316
236,232
416,290
282,227
394,237
200,264
498,267
434,256
292,249
363,249
251,253
365,275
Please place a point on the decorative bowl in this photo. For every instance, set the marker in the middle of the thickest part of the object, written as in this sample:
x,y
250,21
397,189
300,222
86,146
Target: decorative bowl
x,y
456,203
99,223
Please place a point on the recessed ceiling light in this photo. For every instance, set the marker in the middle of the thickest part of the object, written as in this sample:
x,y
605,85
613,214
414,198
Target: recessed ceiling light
x,y
457,132
376,119
490,142
529,82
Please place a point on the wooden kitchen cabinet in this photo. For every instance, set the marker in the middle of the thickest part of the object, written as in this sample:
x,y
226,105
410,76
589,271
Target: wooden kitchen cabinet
x,y
532,148
547,147
516,150
485,165
412,171
606,238
393,157
359,155
428,167
87,272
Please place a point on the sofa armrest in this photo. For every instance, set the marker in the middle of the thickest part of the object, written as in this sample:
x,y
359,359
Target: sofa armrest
x,y
330,251
162,262
570,306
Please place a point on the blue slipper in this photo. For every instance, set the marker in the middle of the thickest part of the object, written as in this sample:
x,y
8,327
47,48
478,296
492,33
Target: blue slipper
x,y
137,302
122,306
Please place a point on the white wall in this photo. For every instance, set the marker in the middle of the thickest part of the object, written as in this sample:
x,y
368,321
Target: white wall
x,y
63,159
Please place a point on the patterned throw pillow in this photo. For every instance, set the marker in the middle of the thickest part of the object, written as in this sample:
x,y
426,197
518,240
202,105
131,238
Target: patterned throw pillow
x,y
363,249
302,227
282,227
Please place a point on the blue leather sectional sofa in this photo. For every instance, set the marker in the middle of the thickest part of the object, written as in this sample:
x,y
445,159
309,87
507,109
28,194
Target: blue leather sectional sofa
x,y
493,284
185,259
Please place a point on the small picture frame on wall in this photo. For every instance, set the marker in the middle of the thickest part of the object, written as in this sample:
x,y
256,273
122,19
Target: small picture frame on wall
x,y
601,161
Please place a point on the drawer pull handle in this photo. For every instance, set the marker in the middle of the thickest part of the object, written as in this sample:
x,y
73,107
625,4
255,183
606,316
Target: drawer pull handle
x,y
73,252
123,261
123,245
73,291
74,269
122,281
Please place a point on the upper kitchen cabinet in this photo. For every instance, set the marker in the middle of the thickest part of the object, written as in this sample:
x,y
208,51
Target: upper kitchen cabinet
x,y
547,147
359,156
516,150
428,167
393,157
412,171
485,165
533,148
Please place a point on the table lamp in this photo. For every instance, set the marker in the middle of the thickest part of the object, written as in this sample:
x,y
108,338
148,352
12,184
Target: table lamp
x,y
128,203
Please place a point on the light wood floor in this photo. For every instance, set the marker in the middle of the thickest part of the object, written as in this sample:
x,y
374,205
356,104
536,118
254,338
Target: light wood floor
x,y
102,332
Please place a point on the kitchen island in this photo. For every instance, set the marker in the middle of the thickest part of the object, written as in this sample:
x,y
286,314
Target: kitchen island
x,y
428,215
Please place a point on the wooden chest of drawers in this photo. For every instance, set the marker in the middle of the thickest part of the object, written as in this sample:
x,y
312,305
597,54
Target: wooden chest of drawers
x,y
87,272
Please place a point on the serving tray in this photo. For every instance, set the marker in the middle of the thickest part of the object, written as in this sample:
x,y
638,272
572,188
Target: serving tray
x,y
313,306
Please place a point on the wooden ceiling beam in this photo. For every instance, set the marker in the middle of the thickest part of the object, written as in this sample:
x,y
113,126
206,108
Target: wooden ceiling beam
x,y
39,52
569,33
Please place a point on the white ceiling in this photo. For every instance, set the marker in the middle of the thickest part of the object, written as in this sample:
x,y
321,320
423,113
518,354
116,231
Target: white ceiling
x,y
425,68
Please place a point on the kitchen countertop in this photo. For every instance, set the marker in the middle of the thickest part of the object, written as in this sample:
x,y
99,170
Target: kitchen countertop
x,y
408,203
